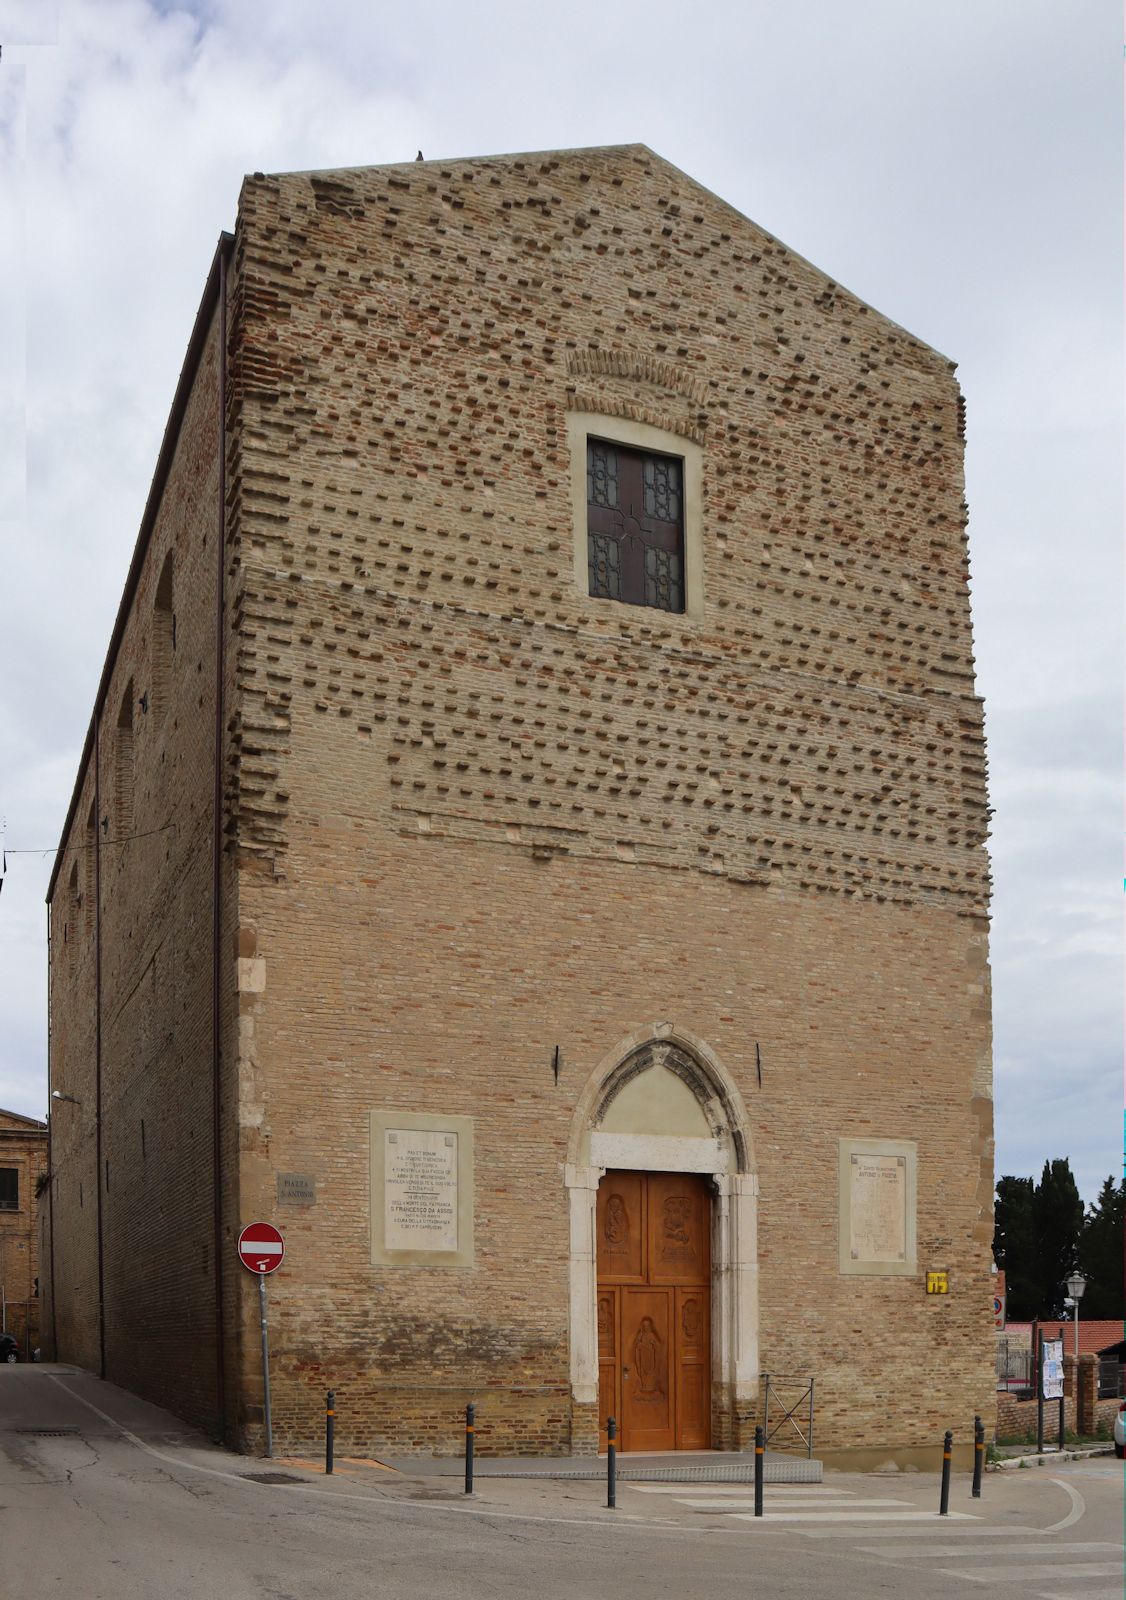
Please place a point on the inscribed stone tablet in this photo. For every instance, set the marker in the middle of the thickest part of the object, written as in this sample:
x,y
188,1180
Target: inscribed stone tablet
x,y
419,1190
878,1187
878,1208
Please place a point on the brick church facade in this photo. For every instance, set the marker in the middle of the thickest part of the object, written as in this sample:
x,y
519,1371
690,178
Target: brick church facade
x,y
530,841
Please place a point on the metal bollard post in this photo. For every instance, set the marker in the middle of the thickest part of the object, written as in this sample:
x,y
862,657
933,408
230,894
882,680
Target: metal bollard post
x,y
944,1497
470,1414
330,1428
979,1456
611,1464
760,1450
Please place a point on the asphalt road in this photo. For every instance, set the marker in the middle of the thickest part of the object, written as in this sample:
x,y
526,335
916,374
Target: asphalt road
x,y
103,1497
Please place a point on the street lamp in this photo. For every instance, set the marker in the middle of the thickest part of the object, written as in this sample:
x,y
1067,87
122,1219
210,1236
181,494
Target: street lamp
x,y
1076,1284
57,1094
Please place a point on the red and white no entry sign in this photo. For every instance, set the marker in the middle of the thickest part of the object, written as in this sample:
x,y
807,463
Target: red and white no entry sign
x,y
261,1247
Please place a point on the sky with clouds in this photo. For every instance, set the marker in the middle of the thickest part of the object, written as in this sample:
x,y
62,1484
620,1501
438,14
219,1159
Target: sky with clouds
x,y
958,167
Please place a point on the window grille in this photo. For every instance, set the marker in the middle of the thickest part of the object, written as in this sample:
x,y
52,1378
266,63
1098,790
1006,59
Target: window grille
x,y
635,526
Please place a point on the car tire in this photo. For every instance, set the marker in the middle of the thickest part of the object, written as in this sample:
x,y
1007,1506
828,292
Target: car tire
x,y
1120,1451
11,1357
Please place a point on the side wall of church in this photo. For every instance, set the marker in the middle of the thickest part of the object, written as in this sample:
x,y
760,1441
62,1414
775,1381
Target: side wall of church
x,y
136,880
481,815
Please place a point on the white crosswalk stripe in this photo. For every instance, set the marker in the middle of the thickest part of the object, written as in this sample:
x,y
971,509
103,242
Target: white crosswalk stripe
x,y
738,1504
849,1515
993,1551
1073,1569
942,1525
899,1534
786,1491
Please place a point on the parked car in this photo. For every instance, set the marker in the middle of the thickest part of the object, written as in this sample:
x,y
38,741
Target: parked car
x,y
10,1351
1120,1432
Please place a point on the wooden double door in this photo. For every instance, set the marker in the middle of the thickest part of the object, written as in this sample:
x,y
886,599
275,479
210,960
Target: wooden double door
x,y
654,1292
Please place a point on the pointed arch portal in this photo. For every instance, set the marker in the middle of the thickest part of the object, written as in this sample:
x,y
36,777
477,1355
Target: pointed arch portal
x,y
661,1103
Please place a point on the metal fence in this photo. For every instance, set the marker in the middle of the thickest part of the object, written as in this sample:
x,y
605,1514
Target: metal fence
x,y
1015,1368
1112,1378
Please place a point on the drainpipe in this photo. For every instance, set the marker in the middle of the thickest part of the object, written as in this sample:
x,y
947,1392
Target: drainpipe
x,y
217,863
98,1039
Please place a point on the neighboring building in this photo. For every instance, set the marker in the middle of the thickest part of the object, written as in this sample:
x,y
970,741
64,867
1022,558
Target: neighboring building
x,y
565,912
1095,1335
23,1161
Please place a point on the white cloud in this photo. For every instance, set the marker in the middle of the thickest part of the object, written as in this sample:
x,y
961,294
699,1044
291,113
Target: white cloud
x,y
956,166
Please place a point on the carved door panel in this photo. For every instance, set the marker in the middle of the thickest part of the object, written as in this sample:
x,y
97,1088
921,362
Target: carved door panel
x,y
648,1418
653,1257
678,1217
693,1370
609,1368
621,1228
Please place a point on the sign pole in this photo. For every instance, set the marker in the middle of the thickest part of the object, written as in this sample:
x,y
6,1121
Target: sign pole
x,y
265,1362
261,1249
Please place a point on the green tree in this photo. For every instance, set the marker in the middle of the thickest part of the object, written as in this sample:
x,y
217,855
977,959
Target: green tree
x,y
1014,1245
1057,1218
1101,1252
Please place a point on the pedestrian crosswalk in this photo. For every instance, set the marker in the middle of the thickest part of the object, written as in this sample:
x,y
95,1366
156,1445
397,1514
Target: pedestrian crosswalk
x,y
898,1534
806,1503
813,1503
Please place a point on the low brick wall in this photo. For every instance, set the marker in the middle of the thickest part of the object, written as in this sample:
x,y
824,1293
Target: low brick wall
x,y
1083,1412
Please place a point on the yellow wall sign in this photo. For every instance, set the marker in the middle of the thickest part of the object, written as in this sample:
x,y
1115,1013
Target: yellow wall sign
x,y
938,1283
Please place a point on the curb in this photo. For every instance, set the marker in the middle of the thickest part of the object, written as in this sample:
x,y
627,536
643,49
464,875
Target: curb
x,y
1082,1454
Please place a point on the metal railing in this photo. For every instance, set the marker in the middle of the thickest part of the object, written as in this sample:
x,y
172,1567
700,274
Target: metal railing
x,y
1112,1379
1015,1368
792,1396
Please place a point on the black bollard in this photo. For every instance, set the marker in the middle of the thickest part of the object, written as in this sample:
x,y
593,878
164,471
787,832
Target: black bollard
x,y
760,1452
979,1456
470,1414
611,1464
944,1498
330,1427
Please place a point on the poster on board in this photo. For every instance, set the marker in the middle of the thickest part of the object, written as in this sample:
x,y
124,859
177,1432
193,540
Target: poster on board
x,y
1051,1371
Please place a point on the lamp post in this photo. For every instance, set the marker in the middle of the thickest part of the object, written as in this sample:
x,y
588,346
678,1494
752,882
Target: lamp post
x,y
1076,1284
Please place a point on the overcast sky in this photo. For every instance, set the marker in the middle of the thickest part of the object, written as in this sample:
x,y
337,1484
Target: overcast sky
x,y
957,166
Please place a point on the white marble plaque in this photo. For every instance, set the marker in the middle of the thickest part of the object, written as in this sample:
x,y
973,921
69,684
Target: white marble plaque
x,y
878,1199
878,1208
419,1190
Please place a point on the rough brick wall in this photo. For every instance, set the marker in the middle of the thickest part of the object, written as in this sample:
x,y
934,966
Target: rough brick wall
x,y
489,815
151,836
75,1325
1083,1411
411,344
475,814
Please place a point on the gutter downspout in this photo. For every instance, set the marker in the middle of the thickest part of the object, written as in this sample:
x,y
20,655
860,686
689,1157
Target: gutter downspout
x,y
98,1174
216,867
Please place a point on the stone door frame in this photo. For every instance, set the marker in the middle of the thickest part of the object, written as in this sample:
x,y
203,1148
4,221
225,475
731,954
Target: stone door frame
x,y
726,1157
